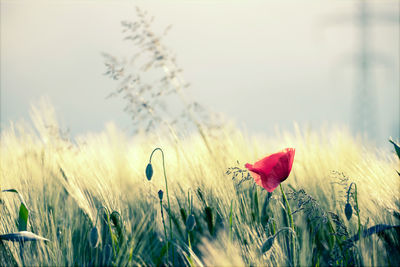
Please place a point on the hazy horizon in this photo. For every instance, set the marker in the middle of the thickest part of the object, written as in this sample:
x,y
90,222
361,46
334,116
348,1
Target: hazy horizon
x,y
262,64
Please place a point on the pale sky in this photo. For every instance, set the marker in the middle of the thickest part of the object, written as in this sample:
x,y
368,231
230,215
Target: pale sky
x,y
262,63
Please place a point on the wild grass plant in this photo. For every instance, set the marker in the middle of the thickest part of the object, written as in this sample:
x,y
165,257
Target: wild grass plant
x,y
91,199
163,197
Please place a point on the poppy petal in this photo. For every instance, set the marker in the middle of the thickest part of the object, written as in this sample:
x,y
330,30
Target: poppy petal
x,y
266,164
254,173
270,171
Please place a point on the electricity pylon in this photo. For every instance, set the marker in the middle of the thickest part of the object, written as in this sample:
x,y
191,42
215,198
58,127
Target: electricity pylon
x,y
364,108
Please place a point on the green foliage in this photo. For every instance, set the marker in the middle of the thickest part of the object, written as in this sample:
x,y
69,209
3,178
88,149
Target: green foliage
x,y
22,236
23,218
208,215
396,147
212,215
23,211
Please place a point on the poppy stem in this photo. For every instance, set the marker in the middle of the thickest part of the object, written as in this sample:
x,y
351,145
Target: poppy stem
x,y
357,211
285,229
166,189
289,212
291,224
190,202
107,213
111,233
165,229
348,191
231,222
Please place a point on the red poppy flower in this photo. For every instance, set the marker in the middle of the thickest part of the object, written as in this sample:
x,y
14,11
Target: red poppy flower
x,y
272,170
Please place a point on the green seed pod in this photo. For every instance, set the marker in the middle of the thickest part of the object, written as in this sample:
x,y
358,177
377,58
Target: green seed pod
x,y
149,171
190,223
94,237
268,244
160,194
348,211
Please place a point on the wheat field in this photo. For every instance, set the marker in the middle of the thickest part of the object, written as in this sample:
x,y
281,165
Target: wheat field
x,y
69,186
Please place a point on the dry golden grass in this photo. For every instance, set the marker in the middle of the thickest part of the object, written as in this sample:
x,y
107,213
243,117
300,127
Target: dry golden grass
x,y
107,169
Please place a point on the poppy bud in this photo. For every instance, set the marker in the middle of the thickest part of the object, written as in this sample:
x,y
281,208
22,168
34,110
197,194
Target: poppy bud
x,y
190,223
149,171
348,211
160,194
94,237
107,253
115,218
268,244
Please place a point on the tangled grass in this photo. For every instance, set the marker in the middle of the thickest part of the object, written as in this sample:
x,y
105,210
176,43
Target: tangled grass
x,y
97,181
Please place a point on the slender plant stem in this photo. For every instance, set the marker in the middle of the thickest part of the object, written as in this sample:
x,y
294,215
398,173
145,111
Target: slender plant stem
x,y
111,233
285,229
289,213
109,226
166,190
356,208
348,192
231,222
165,229
21,252
273,227
358,211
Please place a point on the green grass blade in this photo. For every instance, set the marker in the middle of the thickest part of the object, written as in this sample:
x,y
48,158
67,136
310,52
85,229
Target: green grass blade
x,y
396,147
209,219
231,221
22,236
23,218
23,211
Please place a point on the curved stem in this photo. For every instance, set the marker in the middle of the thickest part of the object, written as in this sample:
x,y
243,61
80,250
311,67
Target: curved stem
x,y
348,191
166,190
286,228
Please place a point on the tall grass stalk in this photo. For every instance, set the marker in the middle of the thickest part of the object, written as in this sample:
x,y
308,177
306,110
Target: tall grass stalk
x,y
106,169
291,225
165,229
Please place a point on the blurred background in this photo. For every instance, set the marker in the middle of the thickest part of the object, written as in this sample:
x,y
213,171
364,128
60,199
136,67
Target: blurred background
x,y
264,64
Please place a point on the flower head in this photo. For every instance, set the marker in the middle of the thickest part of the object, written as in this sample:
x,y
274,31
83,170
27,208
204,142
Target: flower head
x,y
272,170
